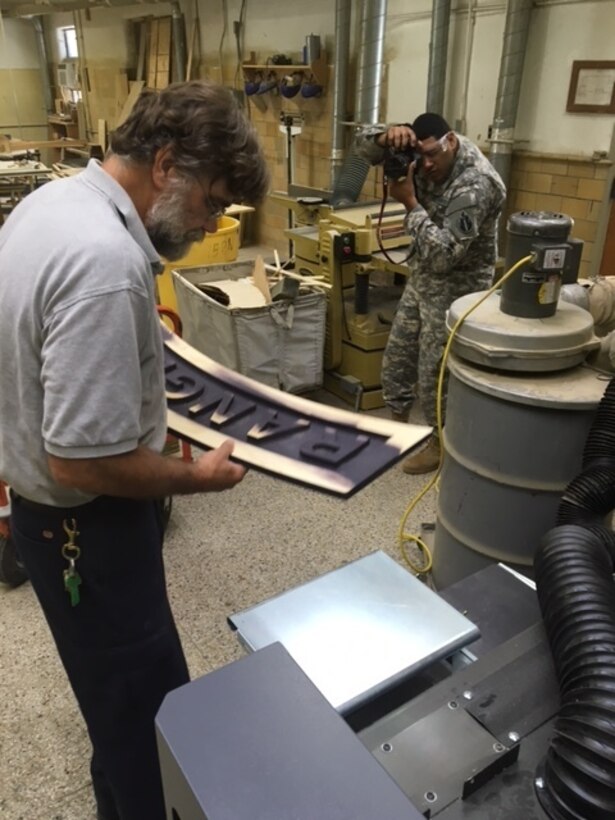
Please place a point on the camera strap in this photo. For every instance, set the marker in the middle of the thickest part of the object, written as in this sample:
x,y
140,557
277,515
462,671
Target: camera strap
x,y
385,196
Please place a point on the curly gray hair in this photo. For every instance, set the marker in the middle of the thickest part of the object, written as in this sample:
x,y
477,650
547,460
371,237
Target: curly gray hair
x,y
207,132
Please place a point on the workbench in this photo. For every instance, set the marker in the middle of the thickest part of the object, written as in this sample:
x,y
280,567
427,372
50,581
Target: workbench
x,y
19,177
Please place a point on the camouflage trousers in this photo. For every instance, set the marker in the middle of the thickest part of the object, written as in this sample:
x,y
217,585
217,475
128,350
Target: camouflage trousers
x,y
412,358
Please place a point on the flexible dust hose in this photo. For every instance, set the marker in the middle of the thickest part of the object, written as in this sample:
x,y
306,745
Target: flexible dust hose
x,y
348,185
600,445
591,495
574,581
575,589
588,499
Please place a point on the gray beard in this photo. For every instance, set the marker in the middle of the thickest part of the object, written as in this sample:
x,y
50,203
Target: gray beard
x,y
164,222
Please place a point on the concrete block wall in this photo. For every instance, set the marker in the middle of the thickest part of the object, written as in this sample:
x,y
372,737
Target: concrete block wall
x,y
310,149
575,186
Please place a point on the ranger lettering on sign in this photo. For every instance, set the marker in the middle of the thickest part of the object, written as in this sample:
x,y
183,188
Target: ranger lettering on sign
x,y
324,445
328,449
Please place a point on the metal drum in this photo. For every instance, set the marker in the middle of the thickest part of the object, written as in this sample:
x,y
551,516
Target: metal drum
x,y
512,443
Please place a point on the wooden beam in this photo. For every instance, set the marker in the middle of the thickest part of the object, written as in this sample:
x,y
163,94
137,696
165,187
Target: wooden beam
x,y
7,146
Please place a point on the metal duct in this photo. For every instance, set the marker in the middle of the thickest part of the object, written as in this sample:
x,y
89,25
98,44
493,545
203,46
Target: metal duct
x,y
509,85
179,42
438,53
370,68
342,51
353,172
41,46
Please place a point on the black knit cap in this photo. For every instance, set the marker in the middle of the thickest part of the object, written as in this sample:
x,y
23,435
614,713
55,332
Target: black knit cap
x,y
430,125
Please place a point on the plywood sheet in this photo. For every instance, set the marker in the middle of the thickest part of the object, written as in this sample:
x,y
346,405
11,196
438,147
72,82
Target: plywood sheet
x,y
21,98
159,53
109,91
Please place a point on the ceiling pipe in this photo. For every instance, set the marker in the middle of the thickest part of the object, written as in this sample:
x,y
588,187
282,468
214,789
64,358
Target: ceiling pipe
x,y
438,55
41,47
461,123
371,66
342,51
179,42
509,86
353,173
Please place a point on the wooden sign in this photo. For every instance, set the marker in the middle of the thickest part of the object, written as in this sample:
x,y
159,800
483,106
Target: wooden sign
x,y
334,451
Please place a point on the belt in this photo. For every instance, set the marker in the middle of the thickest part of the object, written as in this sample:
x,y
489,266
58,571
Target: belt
x,y
47,509
32,505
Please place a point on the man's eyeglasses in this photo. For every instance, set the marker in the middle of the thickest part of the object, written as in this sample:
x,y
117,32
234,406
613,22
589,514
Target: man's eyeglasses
x,y
215,207
441,145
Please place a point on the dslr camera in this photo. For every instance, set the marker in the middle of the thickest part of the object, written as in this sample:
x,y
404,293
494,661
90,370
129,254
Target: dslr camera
x,y
396,162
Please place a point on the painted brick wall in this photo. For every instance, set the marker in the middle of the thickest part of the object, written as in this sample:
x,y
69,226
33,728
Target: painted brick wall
x,y
570,185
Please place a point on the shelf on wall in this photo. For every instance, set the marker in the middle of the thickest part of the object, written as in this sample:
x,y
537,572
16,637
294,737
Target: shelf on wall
x,y
318,68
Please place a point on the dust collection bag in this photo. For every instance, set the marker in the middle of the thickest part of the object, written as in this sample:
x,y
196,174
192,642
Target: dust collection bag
x,y
280,344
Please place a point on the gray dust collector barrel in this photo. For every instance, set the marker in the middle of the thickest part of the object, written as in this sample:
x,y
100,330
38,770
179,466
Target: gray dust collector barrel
x,y
512,443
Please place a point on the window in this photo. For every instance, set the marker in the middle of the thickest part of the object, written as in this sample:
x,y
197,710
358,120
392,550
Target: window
x,y
67,43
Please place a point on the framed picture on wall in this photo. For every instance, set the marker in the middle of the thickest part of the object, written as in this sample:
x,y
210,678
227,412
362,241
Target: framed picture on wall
x,y
592,87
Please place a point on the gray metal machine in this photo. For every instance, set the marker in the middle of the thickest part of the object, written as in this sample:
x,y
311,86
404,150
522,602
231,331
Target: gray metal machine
x,y
437,711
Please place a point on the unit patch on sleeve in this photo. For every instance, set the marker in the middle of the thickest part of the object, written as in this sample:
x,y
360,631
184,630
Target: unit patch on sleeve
x,y
465,223
462,215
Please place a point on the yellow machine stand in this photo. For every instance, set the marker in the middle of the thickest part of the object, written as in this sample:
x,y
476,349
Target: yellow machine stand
x,y
341,246
356,379
216,248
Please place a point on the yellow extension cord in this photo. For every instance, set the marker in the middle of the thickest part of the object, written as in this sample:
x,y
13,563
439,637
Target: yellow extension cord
x,y
404,537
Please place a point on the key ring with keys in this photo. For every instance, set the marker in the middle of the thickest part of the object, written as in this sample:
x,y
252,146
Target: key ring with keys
x,y
70,550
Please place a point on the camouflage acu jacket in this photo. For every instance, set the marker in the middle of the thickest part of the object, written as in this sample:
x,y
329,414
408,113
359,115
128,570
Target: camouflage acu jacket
x,y
454,227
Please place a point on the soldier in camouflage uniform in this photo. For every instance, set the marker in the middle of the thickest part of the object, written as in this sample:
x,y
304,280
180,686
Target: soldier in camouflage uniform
x,y
453,202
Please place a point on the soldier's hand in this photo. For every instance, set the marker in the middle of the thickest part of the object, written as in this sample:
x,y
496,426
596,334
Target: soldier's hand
x,y
403,189
399,137
215,471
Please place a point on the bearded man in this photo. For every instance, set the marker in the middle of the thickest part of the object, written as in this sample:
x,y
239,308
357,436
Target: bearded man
x,y
83,410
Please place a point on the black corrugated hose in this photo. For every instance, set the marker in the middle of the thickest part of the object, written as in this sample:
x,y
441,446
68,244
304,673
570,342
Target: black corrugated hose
x,y
350,181
574,580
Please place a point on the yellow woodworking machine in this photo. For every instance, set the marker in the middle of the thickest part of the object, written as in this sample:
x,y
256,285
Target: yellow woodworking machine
x,y
367,277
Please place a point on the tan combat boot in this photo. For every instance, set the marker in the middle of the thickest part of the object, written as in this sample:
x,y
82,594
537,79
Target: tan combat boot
x,y
425,461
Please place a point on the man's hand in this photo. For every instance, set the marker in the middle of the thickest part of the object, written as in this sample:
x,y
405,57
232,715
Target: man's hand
x,y
398,137
215,471
403,189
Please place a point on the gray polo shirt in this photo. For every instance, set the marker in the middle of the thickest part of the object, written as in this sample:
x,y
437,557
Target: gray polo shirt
x,y
81,360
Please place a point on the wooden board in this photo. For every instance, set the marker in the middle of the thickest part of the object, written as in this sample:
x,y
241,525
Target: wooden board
x,y
109,91
329,450
8,146
21,99
135,89
159,53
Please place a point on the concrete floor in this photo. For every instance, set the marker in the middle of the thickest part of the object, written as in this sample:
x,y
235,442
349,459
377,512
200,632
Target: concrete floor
x,y
224,552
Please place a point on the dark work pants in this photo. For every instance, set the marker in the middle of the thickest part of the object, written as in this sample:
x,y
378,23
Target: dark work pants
x,y
119,644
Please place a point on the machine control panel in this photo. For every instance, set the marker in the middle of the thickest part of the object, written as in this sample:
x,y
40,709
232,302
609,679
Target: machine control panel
x,y
549,257
344,247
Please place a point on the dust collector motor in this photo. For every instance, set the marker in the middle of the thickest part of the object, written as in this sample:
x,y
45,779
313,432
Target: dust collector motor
x,y
534,290
521,327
